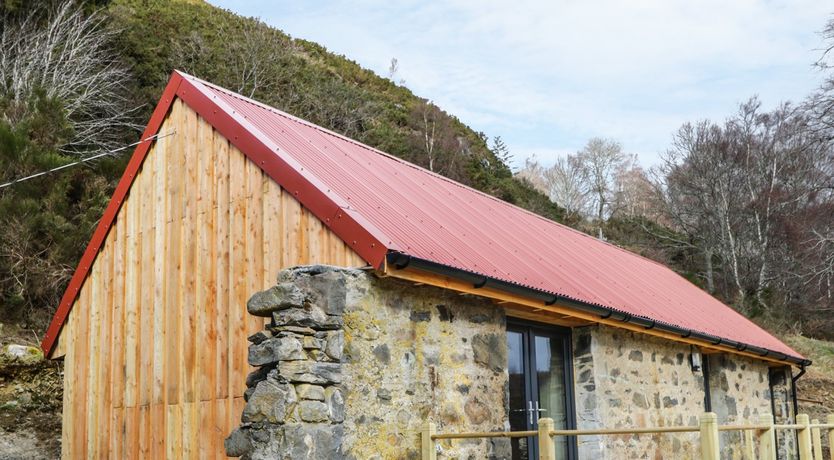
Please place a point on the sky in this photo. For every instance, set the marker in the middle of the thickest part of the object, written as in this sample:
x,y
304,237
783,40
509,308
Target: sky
x,y
547,76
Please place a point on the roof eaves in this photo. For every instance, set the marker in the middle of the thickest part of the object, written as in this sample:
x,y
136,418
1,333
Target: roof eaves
x,y
400,261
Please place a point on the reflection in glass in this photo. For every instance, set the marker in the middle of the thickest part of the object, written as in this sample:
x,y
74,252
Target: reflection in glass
x,y
550,376
518,393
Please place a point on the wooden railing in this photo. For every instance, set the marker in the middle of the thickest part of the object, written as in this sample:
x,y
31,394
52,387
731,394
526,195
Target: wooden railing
x,y
763,434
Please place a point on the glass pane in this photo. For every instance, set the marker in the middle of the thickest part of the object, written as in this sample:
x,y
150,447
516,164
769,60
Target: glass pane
x,y
550,375
518,394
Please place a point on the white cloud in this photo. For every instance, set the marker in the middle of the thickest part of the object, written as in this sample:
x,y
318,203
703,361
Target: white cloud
x,y
547,75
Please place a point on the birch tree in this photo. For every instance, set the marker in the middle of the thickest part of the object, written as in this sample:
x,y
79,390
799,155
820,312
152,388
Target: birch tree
x,y
67,57
566,186
733,188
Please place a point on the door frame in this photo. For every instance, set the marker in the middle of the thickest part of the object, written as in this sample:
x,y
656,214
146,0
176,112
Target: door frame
x,y
566,335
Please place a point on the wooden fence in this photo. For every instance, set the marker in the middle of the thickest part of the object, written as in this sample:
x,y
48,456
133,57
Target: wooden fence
x,y
763,434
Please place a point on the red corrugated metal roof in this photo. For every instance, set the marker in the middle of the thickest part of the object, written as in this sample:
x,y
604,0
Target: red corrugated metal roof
x,y
390,202
434,218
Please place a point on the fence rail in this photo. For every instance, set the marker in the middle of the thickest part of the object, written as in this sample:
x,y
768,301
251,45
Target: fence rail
x,y
761,434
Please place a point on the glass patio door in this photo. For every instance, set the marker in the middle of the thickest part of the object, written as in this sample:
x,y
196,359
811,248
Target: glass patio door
x,y
541,385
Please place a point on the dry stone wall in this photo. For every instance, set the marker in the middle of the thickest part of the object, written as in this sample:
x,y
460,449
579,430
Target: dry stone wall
x,y
295,404
351,365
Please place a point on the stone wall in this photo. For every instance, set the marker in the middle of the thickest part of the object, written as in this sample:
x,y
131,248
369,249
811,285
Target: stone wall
x,y
352,365
739,392
624,379
780,380
628,380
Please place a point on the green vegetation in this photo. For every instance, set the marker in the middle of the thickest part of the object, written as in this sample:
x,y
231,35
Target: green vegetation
x,y
45,222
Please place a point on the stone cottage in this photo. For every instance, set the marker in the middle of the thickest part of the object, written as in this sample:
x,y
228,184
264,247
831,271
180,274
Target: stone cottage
x,y
402,297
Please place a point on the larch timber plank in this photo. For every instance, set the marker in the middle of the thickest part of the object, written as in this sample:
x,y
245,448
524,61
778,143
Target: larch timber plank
x,y
200,231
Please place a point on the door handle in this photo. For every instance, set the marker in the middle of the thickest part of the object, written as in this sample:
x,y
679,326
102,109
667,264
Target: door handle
x,y
539,410
530,412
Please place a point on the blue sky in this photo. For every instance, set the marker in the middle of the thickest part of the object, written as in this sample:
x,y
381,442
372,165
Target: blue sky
x,y
548,75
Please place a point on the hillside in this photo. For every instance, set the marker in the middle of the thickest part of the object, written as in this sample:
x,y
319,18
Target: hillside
x,y
304,79
45,223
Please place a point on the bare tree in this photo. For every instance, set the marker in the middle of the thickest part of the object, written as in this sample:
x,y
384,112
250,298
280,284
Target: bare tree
x,y
690,185
566,186
533,172
252,57
734,189
429,126
820,104
599,161
633,194
67,57
393,72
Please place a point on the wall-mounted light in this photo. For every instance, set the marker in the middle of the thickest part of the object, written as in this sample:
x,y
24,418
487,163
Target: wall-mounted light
x,y
695,360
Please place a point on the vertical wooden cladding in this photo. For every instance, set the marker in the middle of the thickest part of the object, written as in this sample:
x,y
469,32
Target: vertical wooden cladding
x,y
156,342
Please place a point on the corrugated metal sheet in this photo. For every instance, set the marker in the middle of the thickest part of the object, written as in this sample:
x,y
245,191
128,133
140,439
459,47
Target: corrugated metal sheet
x,y
431,217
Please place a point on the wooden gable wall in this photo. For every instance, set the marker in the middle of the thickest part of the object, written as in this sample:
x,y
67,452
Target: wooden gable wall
x,y
155,345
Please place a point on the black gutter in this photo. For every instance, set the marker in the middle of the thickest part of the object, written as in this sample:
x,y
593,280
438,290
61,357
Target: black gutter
x,y
793,387
400,261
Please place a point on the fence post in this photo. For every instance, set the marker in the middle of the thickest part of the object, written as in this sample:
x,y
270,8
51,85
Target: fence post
x,y
749,451
830,420
804,435
428,449
709,436
816,439
767,438
547,448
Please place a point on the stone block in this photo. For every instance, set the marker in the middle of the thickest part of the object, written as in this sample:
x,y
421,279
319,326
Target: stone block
x,y
313,411
300,330
476,411
237,444
310,343
335,403
310,316
335,344
307,391
279,297
326,290
260,336
308,441
256,376
382,354
310,372
271,402
490,350
274,350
